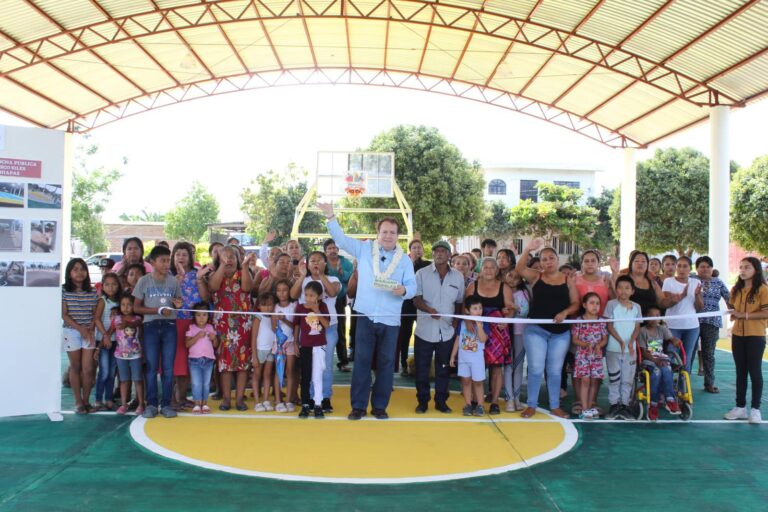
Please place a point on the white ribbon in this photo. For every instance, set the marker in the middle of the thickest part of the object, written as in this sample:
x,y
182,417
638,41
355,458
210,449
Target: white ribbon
x,y
493,320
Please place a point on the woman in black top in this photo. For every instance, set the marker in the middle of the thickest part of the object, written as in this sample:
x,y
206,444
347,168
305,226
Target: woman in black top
x,y
546,345
647,291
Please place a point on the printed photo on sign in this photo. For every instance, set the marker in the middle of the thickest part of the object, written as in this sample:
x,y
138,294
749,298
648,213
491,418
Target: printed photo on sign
x,y
12,195
43,274
42,236
11,273
10,235
44,196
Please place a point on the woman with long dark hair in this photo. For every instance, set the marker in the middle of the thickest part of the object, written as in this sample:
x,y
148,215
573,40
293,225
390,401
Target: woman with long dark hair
x,y
78,309
749,302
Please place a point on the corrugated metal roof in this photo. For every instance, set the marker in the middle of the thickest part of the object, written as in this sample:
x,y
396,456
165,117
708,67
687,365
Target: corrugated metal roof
x,y
624,72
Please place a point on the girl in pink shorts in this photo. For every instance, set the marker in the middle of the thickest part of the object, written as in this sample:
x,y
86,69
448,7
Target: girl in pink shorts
x,y
589,339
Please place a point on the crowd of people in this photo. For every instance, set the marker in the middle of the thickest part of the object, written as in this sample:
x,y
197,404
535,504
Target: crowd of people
x,y
281,325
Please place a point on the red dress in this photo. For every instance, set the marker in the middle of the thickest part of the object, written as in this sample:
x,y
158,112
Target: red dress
x,y
234,330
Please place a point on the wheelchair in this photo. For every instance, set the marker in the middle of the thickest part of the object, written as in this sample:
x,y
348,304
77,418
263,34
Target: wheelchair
x,y
681,383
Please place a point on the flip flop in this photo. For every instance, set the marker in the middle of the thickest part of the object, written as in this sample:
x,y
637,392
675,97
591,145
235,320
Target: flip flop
x,y
80,409
224,407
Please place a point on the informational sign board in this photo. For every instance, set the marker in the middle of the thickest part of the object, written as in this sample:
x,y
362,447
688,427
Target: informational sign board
x,y
34,228
355,174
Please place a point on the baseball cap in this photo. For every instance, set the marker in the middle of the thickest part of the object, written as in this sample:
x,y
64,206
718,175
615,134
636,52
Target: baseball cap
x,y
442,244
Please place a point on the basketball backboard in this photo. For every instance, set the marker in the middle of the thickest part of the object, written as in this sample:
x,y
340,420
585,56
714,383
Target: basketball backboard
x,y
354,174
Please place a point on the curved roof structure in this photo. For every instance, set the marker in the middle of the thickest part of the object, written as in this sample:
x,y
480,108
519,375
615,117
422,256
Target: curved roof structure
x,y
623,72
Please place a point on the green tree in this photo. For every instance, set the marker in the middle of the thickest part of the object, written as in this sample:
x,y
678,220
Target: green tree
x,y
557,213
604,238
444,191
90,193
188,219
749,206
270,203
672,202
144,216
497,224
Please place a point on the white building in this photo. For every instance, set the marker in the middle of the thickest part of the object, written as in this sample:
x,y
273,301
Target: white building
x,y
513,183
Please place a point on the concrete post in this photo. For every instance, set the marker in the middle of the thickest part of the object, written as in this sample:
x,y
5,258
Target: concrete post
x,y
719,188
628,203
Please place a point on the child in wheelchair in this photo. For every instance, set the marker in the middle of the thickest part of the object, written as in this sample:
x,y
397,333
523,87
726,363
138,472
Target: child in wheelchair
x,y
653,341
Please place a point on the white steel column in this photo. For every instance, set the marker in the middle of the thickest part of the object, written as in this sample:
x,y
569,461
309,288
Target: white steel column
x,y
628,202
719,188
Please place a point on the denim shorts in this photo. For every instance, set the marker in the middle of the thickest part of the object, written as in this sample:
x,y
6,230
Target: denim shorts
x,y
72,340
130,369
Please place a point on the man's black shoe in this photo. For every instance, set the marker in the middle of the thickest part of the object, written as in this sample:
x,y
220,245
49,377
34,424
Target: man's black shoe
x,y
356,414
380,414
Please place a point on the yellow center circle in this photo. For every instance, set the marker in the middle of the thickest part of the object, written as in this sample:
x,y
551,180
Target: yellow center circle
x,y
407,448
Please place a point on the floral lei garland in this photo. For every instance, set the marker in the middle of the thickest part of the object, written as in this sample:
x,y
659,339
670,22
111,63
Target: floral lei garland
x,y
392,266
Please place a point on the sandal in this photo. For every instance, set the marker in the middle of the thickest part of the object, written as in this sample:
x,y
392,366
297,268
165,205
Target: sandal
x,y
559,413
206,410
576,408
80,409
712,389
241,407
223,406
344,368
528,412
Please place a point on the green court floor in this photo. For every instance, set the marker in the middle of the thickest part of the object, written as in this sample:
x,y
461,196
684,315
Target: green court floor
x,y
91,463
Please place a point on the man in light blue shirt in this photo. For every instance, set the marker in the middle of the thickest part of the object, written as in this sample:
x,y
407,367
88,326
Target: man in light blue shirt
x,y
384,280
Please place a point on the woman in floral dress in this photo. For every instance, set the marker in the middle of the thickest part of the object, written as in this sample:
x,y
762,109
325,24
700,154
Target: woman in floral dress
x,y
230,288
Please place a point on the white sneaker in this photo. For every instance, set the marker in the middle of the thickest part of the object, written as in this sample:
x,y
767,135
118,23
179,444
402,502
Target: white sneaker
x,y
510,406
281,407
518,405
268,406
737,413
754,416
259,407
291,407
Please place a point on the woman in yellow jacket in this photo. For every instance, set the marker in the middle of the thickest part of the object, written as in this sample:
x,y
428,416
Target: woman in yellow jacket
x,y
749,302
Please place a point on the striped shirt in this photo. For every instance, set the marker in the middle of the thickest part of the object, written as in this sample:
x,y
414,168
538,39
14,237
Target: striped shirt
x,y
81,306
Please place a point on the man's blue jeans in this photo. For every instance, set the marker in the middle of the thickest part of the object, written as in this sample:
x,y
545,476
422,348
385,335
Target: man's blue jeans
x,y
380,339
159,340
